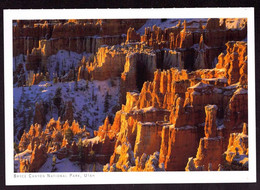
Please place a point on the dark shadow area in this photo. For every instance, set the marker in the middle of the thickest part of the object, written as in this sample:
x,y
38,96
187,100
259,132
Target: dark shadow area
x,y
188,57
141,74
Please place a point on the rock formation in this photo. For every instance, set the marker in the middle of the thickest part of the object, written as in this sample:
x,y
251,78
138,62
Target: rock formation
x,y
38,158
39,116
186,97
210,149
236,156
184,101
75,36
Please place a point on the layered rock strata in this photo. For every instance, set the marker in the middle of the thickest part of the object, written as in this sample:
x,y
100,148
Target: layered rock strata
x,y
199,45
71,35
236,155
182,96
170,115
209,154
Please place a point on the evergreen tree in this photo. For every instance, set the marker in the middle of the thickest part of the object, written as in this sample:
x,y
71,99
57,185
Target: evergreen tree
x,y
106,104
112,82
81,154
57,68
57,99
93,95
76,85
16,149
92,155
55,79
87,87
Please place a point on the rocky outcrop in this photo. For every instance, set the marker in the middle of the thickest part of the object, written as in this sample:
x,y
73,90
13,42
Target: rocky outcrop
x,y
236,112
182,142
147,163
24,165
77,36
132,65
210,123
38,158
108,63
199,46
209,154
132,36
177,106
236,156
148,138
187,98
39,116
234,62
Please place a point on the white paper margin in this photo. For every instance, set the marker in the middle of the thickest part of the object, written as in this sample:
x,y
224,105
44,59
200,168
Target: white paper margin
x,y
127,177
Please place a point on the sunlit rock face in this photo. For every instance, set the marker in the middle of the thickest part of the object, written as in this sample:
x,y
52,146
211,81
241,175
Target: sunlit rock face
x,y
198,103
77,35
169,98
236,155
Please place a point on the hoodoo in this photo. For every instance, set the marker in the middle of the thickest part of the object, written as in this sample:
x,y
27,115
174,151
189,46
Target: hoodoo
x,y
130,95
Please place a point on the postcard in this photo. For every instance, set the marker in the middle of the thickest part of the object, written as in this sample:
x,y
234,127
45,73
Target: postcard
x,y
114,96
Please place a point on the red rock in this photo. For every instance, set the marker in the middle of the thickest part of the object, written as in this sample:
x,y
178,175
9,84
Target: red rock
x,y
39,116
210,123
132,36
24,142
74,148
148,138
182,144
75,128
38,158
24,165
209,152
236,156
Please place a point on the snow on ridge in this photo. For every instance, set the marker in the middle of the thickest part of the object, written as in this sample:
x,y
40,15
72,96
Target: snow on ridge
x,y
88,104
92,140
63,61
200,85
148,109
186,127
221,127
241,91
231,23
235,23
147,123
191,23
65,165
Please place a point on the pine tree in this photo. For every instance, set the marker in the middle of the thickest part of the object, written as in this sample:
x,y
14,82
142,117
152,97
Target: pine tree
x,y
112,82
87,87
81,154
93,95
92,155
57,99
106,104
16,149
55,80
76,85
57,68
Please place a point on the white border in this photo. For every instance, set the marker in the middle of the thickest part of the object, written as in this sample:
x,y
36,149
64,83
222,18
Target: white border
x,y
131,177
